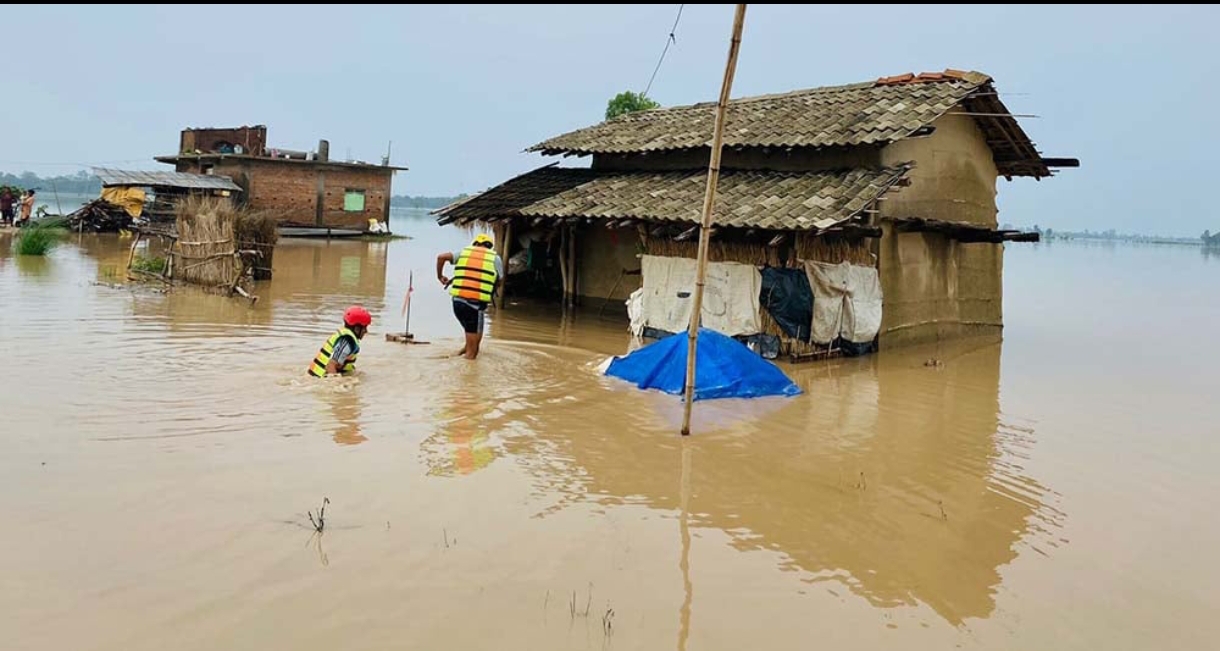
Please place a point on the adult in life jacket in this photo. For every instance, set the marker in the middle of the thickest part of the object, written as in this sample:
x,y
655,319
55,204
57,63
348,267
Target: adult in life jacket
x,y
338,354
477,271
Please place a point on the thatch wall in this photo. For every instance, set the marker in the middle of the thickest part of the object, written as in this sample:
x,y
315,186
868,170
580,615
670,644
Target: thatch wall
x,y
218,243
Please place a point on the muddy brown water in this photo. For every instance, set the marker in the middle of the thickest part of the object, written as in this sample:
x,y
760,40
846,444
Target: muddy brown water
x,y
161,451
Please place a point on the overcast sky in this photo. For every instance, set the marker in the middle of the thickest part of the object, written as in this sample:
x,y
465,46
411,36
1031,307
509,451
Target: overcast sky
x,y
461,90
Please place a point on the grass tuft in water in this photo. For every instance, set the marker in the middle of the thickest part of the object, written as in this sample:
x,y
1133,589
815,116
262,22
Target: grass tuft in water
x,y
149,264
37,240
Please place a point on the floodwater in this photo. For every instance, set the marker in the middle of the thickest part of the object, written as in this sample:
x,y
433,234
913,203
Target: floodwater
x,y
161,453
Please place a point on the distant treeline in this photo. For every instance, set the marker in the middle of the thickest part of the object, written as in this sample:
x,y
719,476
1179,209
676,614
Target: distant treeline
x,y
81,182
407,201
1114,235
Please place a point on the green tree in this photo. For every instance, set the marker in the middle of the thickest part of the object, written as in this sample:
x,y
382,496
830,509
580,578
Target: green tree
x,y
628,102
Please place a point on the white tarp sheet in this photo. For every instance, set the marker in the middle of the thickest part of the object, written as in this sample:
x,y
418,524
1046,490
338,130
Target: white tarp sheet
x,y
846,302
730,297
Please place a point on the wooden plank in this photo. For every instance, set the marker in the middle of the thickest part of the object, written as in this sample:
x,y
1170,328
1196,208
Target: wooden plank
x,y
966,233
686,234
1061,162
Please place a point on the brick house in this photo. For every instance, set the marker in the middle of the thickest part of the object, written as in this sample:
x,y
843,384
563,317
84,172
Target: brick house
x,y
307,188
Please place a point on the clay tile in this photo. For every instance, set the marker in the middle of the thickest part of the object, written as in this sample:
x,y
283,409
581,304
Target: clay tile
x,y
896,79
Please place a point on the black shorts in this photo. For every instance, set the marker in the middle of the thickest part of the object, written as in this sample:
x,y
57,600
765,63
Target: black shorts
x,y
469,316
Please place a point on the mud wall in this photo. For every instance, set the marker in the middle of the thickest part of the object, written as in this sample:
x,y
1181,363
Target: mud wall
x,y
936,287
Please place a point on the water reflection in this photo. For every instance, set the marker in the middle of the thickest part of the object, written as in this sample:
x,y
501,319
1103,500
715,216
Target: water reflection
x,y
343,401
35,268
313,280
461,446
354,270
895,480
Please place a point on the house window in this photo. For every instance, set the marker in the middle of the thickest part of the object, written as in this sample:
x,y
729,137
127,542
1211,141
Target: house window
x,y
353,200
206,168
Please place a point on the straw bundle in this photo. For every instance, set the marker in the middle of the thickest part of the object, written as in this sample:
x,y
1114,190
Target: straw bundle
x,y
756,253
834,249
207,242
219,242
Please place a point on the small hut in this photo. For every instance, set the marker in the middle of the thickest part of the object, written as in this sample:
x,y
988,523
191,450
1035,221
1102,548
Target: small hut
x,y
131,195
847,217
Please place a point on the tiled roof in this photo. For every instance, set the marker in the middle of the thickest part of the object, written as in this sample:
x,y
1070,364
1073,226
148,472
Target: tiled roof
x,y
871,113
744,199
874,112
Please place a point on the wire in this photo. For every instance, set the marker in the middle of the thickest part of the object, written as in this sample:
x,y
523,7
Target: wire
x,y
668,41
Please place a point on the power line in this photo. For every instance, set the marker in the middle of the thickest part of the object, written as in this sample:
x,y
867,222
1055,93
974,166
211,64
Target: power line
x,y
668,41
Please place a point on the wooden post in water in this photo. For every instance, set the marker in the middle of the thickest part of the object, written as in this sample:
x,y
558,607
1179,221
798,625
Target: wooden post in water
x,y
573,274
563,263
505,244
709,198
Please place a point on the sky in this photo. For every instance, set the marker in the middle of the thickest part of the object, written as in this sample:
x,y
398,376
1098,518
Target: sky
x,y
462,90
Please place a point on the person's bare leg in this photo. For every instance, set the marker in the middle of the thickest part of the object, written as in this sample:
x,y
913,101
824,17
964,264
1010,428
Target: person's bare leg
x,y
472,344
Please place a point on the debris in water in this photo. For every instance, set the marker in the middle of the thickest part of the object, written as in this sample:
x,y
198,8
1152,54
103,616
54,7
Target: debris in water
x,y
320,523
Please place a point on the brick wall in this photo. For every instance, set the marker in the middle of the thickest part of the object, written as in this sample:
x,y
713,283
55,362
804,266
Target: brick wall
x,y
376,186
252,139
291,188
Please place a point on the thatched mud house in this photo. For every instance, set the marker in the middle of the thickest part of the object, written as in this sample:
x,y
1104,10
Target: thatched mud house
x,y
847,216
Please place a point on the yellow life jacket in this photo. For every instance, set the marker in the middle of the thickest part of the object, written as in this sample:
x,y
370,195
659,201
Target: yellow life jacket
x,y
474,275
318,368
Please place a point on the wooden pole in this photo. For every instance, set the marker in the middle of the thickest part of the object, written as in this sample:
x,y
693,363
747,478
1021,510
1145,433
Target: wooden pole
x,y
572,268
406,326
58,208
563,263
709,198
505,248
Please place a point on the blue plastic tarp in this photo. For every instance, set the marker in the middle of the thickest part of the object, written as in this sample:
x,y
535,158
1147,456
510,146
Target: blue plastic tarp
x,y
724,368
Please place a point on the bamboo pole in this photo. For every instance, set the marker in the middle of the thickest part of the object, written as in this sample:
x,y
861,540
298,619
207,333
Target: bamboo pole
x,y
709,198
572,267
563,264
131,258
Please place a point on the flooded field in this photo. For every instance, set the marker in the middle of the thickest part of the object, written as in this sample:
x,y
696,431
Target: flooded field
x,y
1056,490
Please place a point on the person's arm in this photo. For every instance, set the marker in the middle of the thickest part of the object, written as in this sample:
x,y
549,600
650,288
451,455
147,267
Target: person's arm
x,y
338,357
440,267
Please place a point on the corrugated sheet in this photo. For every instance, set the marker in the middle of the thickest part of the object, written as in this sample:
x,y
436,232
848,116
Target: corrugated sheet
x,y
745,199
113,177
